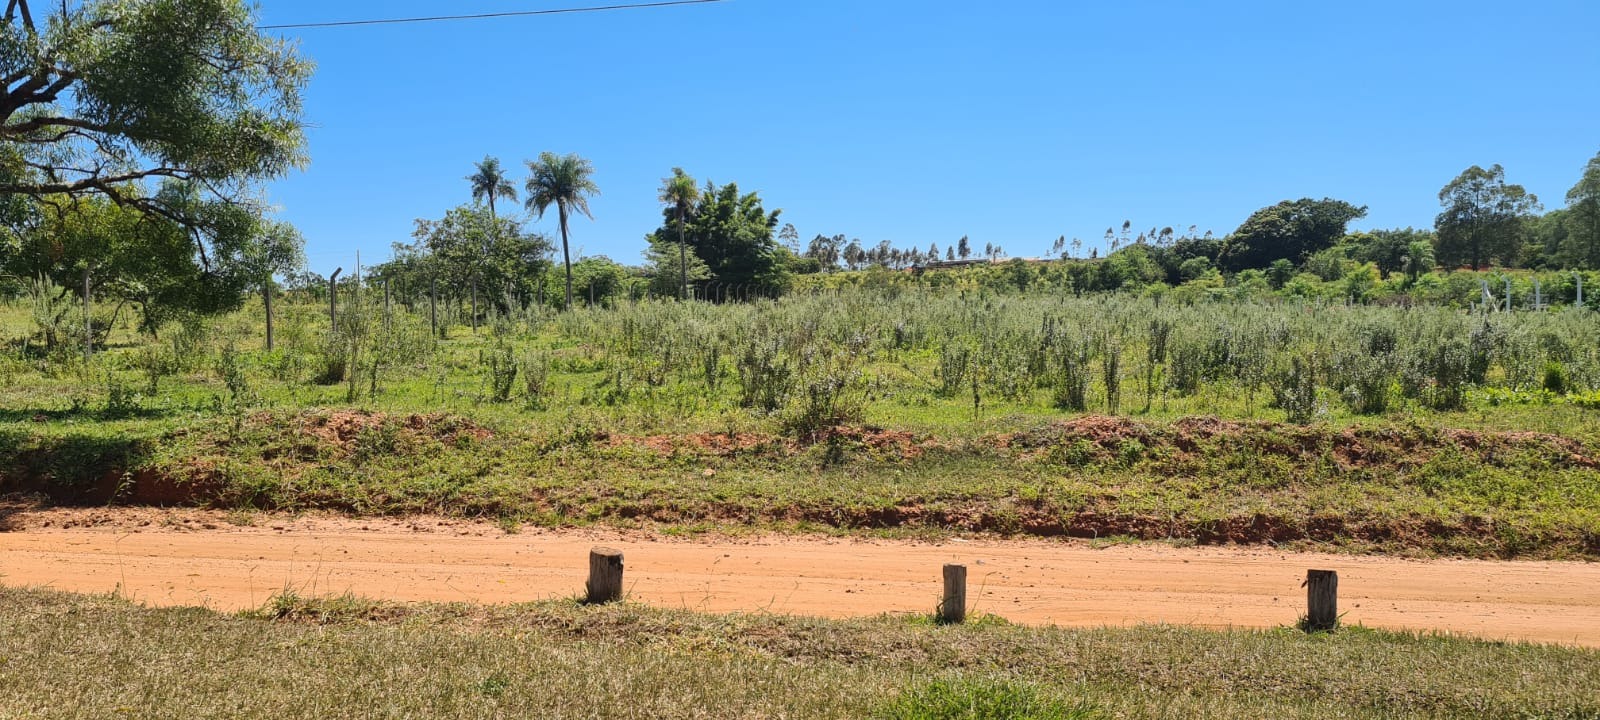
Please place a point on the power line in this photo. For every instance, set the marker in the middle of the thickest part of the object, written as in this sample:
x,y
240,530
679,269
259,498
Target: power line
x,y
485,16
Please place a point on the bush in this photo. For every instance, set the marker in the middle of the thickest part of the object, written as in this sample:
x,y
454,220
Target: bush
x,y
1555,378
536,380
1294,390
1071,392
502,370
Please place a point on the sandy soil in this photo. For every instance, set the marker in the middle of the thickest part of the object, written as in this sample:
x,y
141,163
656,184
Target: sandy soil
x,y
204,558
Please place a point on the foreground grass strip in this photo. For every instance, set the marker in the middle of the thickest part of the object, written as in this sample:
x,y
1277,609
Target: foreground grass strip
x,y
75,656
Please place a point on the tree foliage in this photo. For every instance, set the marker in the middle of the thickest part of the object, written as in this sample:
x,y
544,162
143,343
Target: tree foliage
x,y
1582,242
467,244
1484,218
140,132
489,183
1291,230
670,268
732,233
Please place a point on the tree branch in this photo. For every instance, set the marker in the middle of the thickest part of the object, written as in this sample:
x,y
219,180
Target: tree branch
x,y
106,184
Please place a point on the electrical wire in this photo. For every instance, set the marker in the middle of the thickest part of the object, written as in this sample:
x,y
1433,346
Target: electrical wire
x,y
485,16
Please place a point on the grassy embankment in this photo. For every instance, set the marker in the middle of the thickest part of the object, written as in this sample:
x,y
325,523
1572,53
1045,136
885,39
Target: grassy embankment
x,y
70,656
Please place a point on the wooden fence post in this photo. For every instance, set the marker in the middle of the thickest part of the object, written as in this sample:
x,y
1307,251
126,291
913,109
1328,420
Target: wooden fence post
x,y
88,317
605,575
1322,600
953,611
433,305
333,300
266,303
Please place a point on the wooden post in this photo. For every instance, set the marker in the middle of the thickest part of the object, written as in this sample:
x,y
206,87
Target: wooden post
x,y
333,300
386,300
266,302
88,317
433,305
605,575
953,611
1322,600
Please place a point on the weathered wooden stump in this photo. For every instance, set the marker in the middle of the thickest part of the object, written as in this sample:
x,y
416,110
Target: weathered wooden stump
x,y
1322,600
953,610
605,575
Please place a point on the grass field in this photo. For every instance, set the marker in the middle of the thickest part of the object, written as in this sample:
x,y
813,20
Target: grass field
x,y
72,656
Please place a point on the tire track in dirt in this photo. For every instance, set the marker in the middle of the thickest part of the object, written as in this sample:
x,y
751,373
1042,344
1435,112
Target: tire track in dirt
x,y
171,558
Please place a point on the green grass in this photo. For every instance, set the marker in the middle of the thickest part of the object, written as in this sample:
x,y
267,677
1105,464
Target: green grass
x,y
73,656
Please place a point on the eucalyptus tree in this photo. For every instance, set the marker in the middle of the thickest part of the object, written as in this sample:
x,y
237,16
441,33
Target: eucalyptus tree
x,y
1583,203
1484,218
567,182
680,193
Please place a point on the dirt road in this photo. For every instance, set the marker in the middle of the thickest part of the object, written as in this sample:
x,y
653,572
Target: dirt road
x,y
198,558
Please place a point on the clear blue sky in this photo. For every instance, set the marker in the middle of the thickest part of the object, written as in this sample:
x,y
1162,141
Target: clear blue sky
x,y
1013,122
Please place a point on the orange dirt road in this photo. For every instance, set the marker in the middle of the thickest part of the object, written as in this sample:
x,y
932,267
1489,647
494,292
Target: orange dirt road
x,y
169,558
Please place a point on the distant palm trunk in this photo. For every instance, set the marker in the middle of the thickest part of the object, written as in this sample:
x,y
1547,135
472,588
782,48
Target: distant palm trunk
x,y
566,255
683,260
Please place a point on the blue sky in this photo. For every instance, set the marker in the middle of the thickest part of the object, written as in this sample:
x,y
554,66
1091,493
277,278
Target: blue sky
x,y
1013,122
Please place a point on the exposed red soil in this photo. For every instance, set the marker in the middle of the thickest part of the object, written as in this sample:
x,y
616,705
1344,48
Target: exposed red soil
x,y
343,428
188,557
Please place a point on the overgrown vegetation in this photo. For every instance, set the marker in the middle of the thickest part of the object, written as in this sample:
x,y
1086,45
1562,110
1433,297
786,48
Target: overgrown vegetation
x,y
1431,430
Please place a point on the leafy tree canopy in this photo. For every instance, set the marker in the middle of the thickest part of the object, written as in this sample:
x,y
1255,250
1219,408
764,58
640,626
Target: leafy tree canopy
x,y
146,126
134,258
1291,230
667,271
1582,243
1484,218
1386,249
471,244
732,233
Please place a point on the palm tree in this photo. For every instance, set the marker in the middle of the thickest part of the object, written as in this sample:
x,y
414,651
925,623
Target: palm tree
x,y
680,192
565,182
488,183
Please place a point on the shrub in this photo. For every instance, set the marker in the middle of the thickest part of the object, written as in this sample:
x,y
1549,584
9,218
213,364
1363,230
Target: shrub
x,y
1294,390
1555,378
536,380
501,365
1071,392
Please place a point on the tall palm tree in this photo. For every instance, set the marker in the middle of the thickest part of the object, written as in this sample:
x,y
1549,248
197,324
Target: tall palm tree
x,y
488,183
681,193
563,181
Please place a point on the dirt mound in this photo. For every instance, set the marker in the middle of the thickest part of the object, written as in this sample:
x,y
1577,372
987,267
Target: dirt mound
x,y
1109,433
347,429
